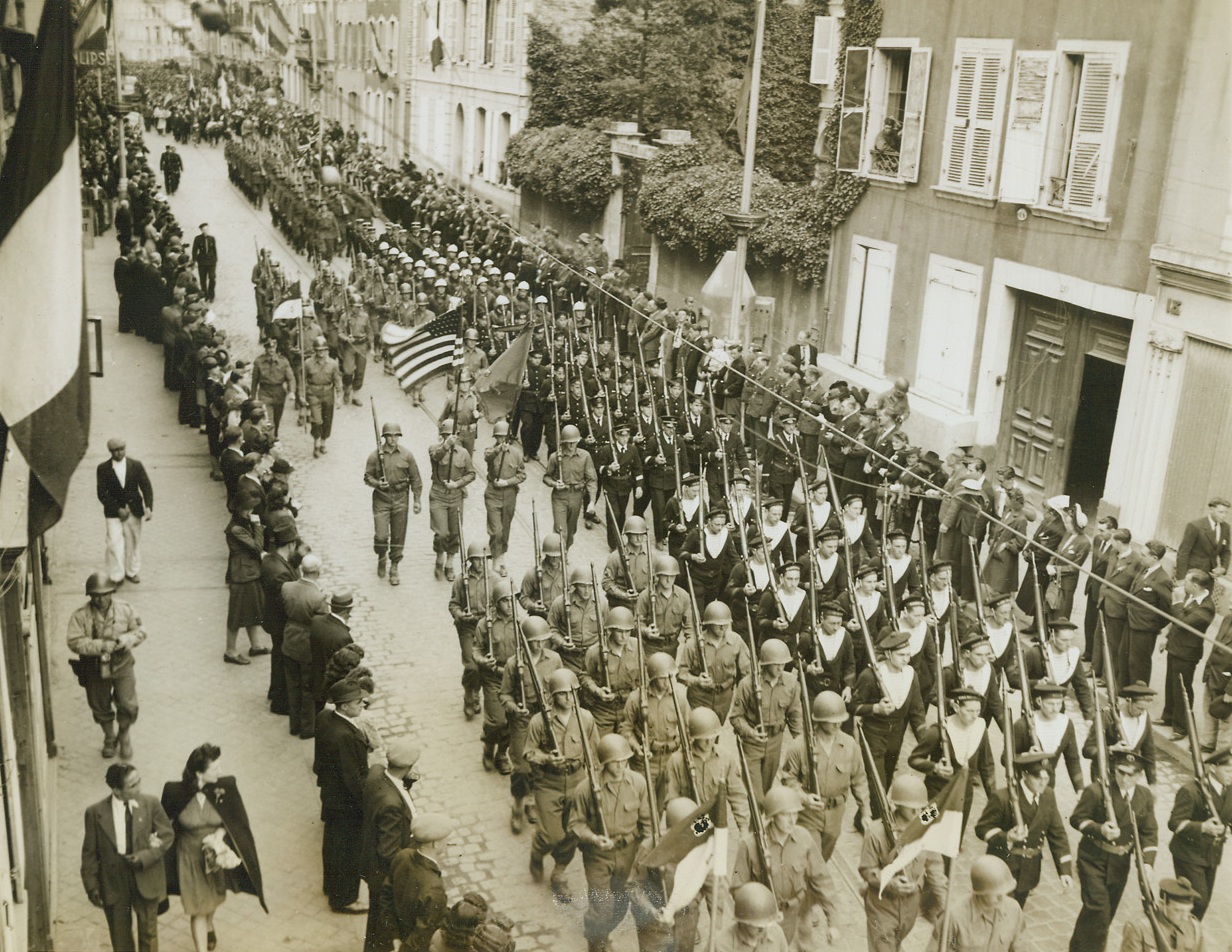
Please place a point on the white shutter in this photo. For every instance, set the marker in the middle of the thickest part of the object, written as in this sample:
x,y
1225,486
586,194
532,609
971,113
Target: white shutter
x,y
948,332
1090,147
1022,169
973,120
825,45
913,115
858,61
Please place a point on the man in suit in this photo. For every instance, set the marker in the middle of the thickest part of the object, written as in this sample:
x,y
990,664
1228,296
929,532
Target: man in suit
x,y
414,894
388,814
1102,555
122,868
340,761
804,351
1022,846
1184,649
304,601
205,254
1207,542
326,634
127,496
1123,567
277,569
1152,586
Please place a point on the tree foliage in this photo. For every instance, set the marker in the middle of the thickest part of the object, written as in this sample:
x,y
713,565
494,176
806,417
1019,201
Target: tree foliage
x,y
568,165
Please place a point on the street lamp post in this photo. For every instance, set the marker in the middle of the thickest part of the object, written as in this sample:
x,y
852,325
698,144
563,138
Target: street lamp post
x,y
119,77
744,221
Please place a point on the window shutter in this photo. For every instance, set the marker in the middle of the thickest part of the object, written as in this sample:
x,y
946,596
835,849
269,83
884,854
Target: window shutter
x,y
858,61
1025,140
511,28
1091,144
973,121
913,115
825,42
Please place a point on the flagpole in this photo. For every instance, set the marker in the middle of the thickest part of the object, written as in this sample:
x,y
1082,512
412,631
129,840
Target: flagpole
x,y
115,39
745,221
715,908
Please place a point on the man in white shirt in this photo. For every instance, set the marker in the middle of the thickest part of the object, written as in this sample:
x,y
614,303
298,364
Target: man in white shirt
x,y
127,496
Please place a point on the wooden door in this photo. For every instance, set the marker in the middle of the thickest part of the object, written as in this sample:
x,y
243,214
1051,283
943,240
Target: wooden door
x,y
1041,391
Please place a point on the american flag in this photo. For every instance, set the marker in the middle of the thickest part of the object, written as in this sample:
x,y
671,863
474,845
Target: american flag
x,y
418,353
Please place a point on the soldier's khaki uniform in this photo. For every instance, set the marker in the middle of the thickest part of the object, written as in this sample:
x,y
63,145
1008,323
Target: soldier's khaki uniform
x,y
323,386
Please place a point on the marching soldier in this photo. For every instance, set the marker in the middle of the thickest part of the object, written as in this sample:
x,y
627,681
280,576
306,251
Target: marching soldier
x,y
984,920
797,873
496,642
747,584
712,665
1130,726
1060,661
1054,733
452,471
622,479
1021,845
468,601
724,455
463,409
352,325
975,672
706,769
664,609
554,751
393,475
784,613
609,822
618,586
755,922
683,514
542,585
1198,837
709,554
611,670
521,703
959,740
659,467
506,472
884,719
1104,852
273,380
1175,914
761,726
570,472
659,729
576,619
891,913
839,768
828,655
323,384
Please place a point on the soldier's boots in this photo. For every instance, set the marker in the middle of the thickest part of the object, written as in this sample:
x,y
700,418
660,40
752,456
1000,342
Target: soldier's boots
x,y
489,755
346,396
381,565
470,704
355,401
532,811
124,744
393,574
450,574
517,822
536,865
560,885
109,739
440,565
503,763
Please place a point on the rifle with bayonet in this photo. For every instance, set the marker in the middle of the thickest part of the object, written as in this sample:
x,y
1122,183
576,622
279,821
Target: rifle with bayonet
x,y
1101,756
756,823
1150,904
1041,617
536,684
697,621
588,760
644,692
686,749
1195,753
601,640
876,788
1011,781
631,591
534,528
380,460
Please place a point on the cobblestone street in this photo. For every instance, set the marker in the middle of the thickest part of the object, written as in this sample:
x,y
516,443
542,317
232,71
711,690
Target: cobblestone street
x,y
188,695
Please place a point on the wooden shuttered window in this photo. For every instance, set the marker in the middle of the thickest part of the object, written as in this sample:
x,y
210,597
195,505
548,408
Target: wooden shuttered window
x,y
1090,145
974,118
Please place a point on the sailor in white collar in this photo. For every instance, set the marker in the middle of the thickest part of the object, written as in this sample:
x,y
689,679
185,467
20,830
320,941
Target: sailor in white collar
x,y
961,742
780,544
1130,726
739,501
922,642
975,672
859,534
1060,661
871,605
1053,732
819,506
904,573
827,568
682,512
999,626
939,600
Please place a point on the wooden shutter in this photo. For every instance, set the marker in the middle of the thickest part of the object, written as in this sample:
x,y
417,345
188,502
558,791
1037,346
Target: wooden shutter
x,y
825,44
858,62
510,31
913,115
973,121
1022,169
1090,146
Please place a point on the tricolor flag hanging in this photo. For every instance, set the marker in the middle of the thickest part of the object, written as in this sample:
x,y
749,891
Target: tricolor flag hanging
x,y
436,49
697,846
44,373
500,384
93,22
378,54
418,354
938,827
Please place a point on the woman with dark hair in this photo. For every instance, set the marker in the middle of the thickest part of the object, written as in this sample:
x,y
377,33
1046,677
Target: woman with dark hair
x,y
246,605
214,850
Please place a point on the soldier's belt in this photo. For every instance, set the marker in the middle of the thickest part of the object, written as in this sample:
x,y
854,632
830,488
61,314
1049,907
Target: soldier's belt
x,y
1115,849
569,767
572,488
663,747
830,803
773,730
1026,852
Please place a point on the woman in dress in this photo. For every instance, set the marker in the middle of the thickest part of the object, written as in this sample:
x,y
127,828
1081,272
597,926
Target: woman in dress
x,y
246,606
200,805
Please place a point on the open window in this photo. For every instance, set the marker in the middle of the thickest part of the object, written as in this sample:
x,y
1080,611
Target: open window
x,y
881,127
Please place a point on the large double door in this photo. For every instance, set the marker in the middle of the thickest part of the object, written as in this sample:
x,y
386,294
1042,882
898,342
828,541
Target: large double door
x,y
1063,388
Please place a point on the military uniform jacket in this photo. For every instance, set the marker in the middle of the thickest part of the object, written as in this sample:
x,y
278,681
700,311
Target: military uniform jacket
x,y
727,660
1067,669
553,586
468,596
322,378
1089,814
715,447
496,631
616,584
628,461
272,378
713,771
840,773
930,748
1118,731
568,733
1043,822
974,928
780,705
909,705
505,461
575,469
1189,811
672,617
1058,740
796,869
1186,936
719,551
575,618
661,730
926,871
623,804
618,670
837,656
400,470
516,684
450,464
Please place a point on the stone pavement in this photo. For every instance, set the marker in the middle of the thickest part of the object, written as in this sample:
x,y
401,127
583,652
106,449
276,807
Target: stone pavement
x,y
189,696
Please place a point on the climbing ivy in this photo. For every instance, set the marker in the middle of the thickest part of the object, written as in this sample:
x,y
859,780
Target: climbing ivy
x,y
565,164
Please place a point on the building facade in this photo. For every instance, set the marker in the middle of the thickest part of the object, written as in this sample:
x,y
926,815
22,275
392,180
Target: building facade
x,y
1022,167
